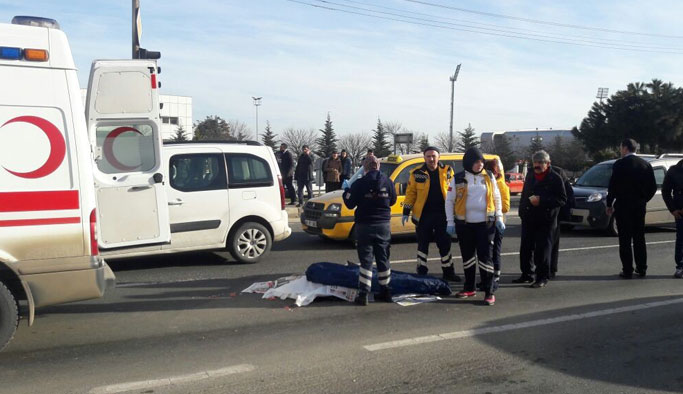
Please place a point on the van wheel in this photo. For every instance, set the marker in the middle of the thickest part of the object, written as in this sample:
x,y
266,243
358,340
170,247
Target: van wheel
x,y
9,316
250,242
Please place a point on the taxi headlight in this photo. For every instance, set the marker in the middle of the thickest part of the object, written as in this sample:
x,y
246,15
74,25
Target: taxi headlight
x,y
594,197
334,208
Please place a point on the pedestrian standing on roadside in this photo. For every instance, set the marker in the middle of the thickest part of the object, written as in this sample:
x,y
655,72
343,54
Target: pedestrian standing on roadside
x,y
631,186
286,163
672,193
332,170
493,166
425,197
347,166
372,196
304,175
543,195
473,209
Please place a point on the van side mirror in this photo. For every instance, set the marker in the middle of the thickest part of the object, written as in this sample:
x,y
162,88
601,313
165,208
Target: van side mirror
x,y
158,177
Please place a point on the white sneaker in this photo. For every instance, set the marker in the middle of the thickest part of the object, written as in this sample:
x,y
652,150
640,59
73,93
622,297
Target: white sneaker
x,y
678,273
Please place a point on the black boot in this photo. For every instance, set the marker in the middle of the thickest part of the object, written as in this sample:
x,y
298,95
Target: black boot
x,y
362,298
422,270
449,274
384,294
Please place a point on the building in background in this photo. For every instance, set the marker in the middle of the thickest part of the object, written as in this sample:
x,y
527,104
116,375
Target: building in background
x,y
176,111
521,139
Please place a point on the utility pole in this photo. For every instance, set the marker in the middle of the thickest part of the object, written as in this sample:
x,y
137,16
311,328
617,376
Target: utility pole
x,y
257,102
453,79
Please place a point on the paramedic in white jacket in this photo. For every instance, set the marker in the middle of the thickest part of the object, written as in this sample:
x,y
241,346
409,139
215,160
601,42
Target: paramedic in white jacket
x,y
473,208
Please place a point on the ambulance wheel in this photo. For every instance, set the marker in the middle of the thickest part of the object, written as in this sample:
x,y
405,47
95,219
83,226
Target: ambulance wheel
x,y
250,242
9,316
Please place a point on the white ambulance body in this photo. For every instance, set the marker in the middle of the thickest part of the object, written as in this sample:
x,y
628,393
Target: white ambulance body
x,y
55,168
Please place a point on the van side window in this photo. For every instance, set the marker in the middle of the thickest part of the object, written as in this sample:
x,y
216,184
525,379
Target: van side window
x,y
197,172
403,178
456,165
125,148
246,170
659,175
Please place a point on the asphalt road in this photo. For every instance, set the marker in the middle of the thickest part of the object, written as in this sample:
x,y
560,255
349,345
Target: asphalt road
x,y
178,324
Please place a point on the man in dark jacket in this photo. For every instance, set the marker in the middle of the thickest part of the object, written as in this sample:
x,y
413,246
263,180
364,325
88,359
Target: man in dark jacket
x,y
347,166
286,163
632,185
304,174
372,196
543,195
672,193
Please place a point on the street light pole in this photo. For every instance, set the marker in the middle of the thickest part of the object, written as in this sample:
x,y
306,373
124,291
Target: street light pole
x,y
257,102
450,134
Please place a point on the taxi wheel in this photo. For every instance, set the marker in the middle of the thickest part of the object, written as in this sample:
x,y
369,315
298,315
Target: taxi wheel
x,y
250,242
9,316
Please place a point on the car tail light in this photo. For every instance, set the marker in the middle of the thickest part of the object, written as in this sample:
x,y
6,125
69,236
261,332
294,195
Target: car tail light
x,y
282,192
94,249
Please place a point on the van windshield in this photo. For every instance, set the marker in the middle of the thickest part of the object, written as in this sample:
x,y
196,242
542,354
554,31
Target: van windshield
x,y
596,176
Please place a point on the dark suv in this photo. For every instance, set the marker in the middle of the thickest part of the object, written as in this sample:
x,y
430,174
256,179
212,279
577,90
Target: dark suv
x,y
590,193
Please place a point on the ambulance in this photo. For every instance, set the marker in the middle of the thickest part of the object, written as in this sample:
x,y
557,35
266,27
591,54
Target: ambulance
x,y
70,183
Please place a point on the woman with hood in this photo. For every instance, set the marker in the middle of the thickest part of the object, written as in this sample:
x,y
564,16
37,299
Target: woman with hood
x,y
473,211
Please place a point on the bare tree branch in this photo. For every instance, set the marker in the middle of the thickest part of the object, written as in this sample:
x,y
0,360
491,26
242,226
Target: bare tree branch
x,y
239,130
297,138
356,145
441,141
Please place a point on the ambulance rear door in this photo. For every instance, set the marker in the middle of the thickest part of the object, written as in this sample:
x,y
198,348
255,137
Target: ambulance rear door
x,y
122,110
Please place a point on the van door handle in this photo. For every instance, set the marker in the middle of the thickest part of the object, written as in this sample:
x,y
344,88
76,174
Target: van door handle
x,y
139,188
176,202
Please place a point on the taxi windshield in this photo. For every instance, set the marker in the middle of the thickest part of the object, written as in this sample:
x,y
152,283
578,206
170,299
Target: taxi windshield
x,y
385,168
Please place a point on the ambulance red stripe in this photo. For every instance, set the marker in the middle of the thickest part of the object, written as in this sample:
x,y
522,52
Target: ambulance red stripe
x,y
39,222
39,201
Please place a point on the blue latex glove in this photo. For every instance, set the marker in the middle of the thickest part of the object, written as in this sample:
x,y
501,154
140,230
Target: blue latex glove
x,y
345,184
450,229
500,225
404,219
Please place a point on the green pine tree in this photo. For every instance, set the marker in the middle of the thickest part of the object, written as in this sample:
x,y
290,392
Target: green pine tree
x,y
423,143
269,138
327,142
380,143
535,145
467,139
502,147
179,135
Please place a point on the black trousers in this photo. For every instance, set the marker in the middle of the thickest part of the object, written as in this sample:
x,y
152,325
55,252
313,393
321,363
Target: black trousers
x,y
374,241
289,186
631,227
476,247
300,190
537,241
554,254
432,225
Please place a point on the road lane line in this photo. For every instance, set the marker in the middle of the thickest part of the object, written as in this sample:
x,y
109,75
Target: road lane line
x,y
515,326
517,253
147,384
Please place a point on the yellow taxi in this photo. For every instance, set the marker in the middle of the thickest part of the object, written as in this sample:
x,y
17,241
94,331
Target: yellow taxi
x,y
328,217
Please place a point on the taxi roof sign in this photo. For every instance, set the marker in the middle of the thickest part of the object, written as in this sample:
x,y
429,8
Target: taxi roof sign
x,y
394,159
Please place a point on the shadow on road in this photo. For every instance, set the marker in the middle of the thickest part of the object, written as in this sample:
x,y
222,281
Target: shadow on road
x,y
636,349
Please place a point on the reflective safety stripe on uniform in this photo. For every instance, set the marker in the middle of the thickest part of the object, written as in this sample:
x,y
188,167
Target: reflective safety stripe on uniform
x,y
467,264
421,258
486,267
384,277
446,261
364,279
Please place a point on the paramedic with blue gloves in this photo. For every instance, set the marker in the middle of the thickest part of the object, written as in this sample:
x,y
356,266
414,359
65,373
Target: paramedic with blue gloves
x,y
372,196
473,206
425,197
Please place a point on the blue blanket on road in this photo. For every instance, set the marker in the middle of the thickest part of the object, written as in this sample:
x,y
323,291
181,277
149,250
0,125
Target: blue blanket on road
x,y
401,282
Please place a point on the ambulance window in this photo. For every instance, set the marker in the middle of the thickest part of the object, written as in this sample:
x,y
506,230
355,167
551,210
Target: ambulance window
x,y
126,148
197,172
404,176
248,171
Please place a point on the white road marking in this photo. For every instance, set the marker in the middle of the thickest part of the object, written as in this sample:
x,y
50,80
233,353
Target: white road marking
x,y
180,379
517,253
515,326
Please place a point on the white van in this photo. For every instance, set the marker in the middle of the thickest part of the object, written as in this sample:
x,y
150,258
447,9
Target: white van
x,y
221,196
49,227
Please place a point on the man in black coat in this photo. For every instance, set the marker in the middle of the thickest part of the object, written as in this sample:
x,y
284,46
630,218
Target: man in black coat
x,y
286,163
304,174
672,193
632,185
543,195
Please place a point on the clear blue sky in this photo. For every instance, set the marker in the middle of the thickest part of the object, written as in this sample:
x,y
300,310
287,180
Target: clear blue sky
x,y
306,61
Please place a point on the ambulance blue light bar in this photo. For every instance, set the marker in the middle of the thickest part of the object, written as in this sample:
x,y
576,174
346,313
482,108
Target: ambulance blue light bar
x,y
10,53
